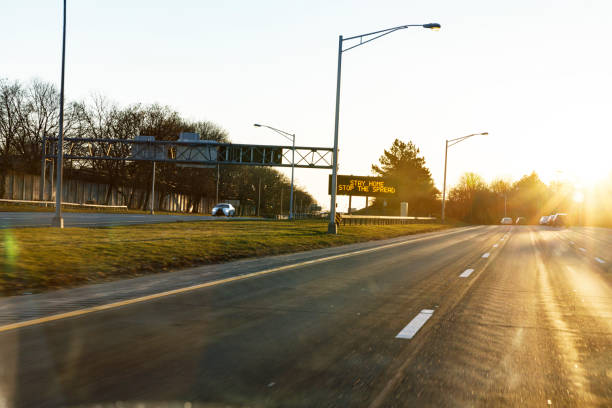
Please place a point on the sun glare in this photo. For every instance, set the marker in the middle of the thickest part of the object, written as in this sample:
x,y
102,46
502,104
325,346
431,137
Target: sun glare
x,y
578,196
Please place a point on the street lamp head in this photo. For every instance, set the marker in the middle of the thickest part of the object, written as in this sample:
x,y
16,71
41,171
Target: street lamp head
x,y
484,133
256,125
432,26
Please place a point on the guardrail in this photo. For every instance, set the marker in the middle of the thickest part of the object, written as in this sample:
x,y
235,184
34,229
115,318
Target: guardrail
x,y
383,220
52,204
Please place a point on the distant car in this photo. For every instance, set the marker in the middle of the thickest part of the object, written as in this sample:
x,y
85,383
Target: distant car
x,y
544,220
506,221
224,209
561,220
520,220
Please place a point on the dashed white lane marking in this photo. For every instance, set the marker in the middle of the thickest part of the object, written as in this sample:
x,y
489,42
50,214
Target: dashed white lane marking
x,y
582,249
466,273
601,261
415,324
495,246
571,242
486,255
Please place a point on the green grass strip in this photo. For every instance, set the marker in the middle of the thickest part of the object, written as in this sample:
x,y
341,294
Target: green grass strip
x,y
38,259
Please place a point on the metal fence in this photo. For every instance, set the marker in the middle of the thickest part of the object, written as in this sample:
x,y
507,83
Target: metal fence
x,y
383,220
26,187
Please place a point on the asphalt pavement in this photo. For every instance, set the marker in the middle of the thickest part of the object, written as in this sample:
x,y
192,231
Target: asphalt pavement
x,y
480,316
72,219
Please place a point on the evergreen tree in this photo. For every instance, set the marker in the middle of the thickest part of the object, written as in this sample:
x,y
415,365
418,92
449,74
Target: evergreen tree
x,y
403,166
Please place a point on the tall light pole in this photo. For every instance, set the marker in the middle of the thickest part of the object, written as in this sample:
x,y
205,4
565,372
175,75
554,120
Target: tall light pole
x,y
450,143
58,221
290,136
363,38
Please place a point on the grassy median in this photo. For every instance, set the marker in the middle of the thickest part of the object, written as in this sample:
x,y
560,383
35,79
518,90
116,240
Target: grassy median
x,y
36,259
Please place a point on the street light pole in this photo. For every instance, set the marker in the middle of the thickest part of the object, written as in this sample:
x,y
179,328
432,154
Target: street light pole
x,y
444,187
292,171
289,136
332,228
58,221
450,143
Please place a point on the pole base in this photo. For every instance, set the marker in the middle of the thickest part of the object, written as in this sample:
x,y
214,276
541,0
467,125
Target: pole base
x,y
332,228
57,222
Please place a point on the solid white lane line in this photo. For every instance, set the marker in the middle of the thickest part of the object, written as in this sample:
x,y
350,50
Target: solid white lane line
x,y
495,246
601,261
582,249
486,255
415,324
466,273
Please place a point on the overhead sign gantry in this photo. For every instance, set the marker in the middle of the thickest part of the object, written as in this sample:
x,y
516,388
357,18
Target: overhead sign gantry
x,y
201,152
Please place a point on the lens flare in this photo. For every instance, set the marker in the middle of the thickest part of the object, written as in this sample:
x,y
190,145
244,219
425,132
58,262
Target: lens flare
x,y
11,249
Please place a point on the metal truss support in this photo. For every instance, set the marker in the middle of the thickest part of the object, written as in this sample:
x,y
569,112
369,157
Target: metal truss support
x,y
203,153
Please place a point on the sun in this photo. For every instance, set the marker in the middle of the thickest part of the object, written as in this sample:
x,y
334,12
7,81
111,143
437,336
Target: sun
x,y
578,196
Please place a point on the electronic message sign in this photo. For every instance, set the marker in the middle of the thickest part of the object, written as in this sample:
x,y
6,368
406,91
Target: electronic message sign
x,y
364,186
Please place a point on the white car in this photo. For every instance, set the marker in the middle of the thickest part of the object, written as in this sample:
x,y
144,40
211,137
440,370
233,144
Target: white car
x,y
224,209
506,221
544,219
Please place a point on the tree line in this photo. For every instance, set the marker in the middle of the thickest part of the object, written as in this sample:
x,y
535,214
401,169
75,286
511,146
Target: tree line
x,y
473,200
30,111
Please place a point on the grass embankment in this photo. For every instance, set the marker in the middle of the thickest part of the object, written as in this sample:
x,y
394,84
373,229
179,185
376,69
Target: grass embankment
x,y
36,259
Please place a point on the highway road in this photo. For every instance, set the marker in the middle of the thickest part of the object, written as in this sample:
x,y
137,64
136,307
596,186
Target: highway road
x,y
71,219
478,316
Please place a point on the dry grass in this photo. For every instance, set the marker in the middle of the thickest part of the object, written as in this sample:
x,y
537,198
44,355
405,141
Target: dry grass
x,y
35,259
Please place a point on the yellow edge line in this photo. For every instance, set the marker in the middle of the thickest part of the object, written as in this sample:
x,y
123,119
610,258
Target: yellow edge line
x,y
114,305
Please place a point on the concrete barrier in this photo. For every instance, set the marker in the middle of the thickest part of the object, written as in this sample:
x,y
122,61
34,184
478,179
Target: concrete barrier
x,y
52,204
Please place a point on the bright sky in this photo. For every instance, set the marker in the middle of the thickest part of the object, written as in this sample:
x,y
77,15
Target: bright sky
x,y
535,74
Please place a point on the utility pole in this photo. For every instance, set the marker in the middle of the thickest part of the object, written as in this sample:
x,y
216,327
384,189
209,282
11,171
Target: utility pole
x,y
259,197
153,191
505,199
217,196
43,168
52,175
